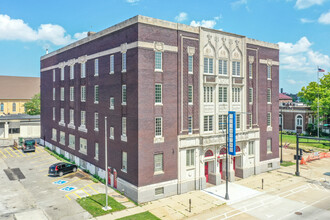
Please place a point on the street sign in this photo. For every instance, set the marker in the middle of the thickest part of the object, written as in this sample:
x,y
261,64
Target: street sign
x,y
232,133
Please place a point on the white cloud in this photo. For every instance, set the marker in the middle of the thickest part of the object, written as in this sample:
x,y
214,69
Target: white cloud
x,y
324,18
132,1
291,81
17,29
204,23
81,35
306,20
302,4
238,3
301,46
181,17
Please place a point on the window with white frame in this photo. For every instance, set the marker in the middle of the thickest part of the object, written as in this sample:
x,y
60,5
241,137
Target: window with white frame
x,y
72,71
299,120
236,68
158,127
190,94
96,151
123,126
158,61
82,118
54,75
251,147
54,134
280,119
112,103
123,62
83,146
54,113
158,93
14,107
250,120
62,73
112,133
72,116
54,94
208,65
83,93
96,67
222,122
71,93
124,162
62,93
236,94
269,95
190,125
123,95
190,64
62,115
62,137
250,95
238,121
83,70
112,64
72,141
96,94
208,123
208,94
269,145
190,157
158,163
223,67
223,94
96,121
269,119
269,72
250,70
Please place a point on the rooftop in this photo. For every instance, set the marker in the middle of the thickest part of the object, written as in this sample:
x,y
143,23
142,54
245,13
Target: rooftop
x,y
284,97
17,87
18,117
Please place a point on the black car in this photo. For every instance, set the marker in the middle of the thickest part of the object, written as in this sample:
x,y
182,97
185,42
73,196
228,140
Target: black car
x,y
29,146
58,169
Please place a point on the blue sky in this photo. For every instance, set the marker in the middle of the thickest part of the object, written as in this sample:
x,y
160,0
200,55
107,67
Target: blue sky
x,y
301,27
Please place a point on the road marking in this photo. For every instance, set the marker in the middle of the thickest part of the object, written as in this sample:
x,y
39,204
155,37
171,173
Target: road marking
x,y
19,151
41,164
82,188
41,160
3,154
8,152
64,176
86,192
69,183
68,188
67,197
77,195
14,152
93,189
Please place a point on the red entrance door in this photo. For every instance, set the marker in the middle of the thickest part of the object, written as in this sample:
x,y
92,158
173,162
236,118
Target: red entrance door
x,y
207,171
221,168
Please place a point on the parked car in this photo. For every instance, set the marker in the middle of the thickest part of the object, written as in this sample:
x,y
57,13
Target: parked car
x,y
29,146
59,169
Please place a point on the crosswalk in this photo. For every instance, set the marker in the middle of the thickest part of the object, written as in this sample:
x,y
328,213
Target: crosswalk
x,y
14,152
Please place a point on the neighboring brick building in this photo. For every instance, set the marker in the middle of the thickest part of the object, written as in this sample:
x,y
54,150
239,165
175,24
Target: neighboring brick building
x,y
165,89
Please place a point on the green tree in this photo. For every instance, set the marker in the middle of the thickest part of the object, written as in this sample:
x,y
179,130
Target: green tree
x,y
32,107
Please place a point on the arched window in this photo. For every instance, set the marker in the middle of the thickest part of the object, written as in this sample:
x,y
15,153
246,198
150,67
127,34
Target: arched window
x,y
299,120
2,107
208,153
14,107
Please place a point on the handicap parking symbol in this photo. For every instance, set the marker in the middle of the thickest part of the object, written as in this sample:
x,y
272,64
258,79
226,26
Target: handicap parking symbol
x,y
60,182
68,188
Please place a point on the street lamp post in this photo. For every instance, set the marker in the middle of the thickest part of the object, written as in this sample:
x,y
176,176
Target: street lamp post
x,y
281,135
106,166
227,195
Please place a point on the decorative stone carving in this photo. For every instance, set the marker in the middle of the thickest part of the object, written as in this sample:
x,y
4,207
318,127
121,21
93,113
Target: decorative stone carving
x,y
251,59
209,37
191,51
71,62
82,59
223,81
237,42
269,62
61,65
159,46
223,52
123,48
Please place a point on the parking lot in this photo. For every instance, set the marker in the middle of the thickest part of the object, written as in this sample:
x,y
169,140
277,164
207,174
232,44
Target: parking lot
x,y
27,190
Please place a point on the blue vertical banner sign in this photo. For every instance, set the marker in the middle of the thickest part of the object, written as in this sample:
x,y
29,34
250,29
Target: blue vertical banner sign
x,y
231,133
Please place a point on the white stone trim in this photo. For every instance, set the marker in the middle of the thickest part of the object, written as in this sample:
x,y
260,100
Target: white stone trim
x,y
262,43
269,62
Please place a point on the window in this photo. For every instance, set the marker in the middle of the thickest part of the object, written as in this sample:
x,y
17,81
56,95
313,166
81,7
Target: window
x,y
54,75
123,62
159,191
96,121
158,93
62,73
158,163
71,93
158,127
54,94
72,71
83,146
124,162
208,123
223,94
123,95
112,133
54,134
238,121
96,67
190,95
250,119
62,115
222,122
112,103
236,68
14,130
62,138
190,64
190,124
208,94
299,120
269,145
112,64
72,116
223,67
96,151
250,71
83,93
236,96
251,148
269,119
83,118
208,65
54,113
83,70
158,61
269,72
280,119
96,94
190,157
72,141
269,95
250,95
14,107
123,126
62,93
2,107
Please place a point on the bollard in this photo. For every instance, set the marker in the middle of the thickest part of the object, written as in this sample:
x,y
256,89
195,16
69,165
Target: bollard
x,y
189,205
262,183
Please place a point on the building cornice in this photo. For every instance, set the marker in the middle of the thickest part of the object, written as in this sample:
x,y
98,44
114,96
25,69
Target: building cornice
x,y
262,43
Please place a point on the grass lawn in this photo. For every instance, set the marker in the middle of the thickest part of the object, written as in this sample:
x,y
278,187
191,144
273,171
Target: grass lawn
x,y
292,140
287,163
140,216
94,204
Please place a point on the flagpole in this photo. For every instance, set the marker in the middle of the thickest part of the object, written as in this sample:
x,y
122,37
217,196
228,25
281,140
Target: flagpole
x,y
318,104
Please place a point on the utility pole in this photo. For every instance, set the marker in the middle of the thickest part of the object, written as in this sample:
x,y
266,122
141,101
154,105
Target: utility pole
x,y
281,135
106,166
318,104
297,155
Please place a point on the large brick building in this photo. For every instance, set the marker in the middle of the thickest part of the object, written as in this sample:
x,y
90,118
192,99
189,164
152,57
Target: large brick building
x,y
165,89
